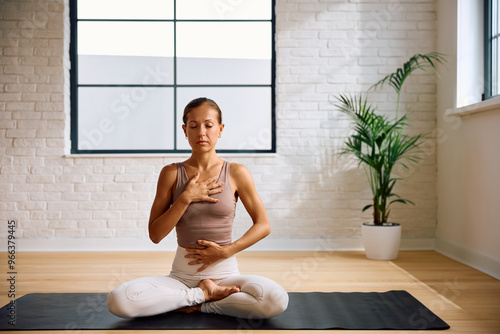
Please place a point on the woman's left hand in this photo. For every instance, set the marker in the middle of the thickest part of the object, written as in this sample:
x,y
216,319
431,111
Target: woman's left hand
x,y
209,254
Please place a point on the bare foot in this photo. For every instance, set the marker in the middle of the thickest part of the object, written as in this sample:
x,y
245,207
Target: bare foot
x,y
189,309
215,292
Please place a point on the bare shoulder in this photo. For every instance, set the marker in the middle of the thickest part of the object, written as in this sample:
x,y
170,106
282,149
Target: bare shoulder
x,y
240,174
238,169
168,176
170,168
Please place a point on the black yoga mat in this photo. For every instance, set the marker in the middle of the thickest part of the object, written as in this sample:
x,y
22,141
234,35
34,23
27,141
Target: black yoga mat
x,y
306,310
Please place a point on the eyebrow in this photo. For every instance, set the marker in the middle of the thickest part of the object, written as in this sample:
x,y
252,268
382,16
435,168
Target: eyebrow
x,y
207,120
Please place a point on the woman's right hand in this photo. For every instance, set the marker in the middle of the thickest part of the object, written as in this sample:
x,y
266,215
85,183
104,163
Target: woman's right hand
x,y
199,191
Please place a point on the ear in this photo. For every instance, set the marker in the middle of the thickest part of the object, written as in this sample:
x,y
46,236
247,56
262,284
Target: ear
x,y
221,128
184,129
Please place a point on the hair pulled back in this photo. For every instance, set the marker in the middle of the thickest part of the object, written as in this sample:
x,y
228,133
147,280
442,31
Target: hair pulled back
x,y
198,102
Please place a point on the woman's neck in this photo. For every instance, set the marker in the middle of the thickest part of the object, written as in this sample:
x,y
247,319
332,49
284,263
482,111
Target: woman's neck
x,y
203,161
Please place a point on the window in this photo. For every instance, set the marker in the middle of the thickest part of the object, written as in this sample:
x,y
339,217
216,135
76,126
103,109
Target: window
x,y
137,63
492,47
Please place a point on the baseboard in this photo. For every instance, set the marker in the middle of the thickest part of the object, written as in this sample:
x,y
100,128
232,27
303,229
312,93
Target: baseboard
x,y
169,244
333,244
470,257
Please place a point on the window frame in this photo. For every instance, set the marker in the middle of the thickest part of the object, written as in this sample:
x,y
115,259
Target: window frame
x,y
74,85
490,57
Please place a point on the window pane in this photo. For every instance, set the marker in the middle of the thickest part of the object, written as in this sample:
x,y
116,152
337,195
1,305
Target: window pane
x,y
224,9
240,40
126,9
99,69
246,114
125,53
114,118
223,71
224,53
126,38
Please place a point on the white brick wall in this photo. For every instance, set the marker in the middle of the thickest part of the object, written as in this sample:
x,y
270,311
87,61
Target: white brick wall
x,y
323,48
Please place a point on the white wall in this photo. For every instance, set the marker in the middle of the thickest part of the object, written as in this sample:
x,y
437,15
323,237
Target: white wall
x,y
312,196
468,160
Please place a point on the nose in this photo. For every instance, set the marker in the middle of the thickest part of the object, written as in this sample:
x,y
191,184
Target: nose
x,y
203,130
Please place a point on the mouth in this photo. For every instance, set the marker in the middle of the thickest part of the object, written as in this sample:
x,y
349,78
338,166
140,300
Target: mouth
x,y
202,142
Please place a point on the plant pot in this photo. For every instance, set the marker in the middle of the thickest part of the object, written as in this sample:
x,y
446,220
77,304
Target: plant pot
x,y
381,241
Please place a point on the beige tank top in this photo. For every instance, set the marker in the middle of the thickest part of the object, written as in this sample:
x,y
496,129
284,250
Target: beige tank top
x,y
206,220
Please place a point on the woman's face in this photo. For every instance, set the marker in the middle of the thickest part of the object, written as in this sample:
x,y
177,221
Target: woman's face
x,y
202,128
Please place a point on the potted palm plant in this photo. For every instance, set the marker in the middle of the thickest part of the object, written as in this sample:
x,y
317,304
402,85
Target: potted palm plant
x,y
380,144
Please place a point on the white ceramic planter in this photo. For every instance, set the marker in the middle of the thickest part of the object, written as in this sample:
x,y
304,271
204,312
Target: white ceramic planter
x,y
381,242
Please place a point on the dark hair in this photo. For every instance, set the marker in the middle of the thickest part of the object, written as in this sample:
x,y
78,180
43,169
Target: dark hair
x,y
198,102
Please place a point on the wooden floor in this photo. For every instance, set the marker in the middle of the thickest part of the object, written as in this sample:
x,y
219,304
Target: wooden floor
x,y
468,300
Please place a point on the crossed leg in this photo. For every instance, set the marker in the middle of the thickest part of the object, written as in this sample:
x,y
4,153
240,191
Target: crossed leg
x,y
259,298
245,296
212,292
155,295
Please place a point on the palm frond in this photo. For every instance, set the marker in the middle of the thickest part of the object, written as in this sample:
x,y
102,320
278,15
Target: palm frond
x,y
417,62
367,207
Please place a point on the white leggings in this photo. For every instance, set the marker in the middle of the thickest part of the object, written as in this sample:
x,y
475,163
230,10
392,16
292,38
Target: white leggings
x,y
259,297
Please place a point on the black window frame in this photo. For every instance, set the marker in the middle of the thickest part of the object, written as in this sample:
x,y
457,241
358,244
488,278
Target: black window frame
x,y
74,87
491,42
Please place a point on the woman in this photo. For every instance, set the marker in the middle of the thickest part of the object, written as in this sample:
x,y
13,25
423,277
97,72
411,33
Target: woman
x,y
198,197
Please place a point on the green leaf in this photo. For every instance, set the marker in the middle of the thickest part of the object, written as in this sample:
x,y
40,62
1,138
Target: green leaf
x,y
367,207
417,62
404,201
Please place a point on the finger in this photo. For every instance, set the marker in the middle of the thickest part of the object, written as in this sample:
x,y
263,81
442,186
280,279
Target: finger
x,y
212,180
195,177
205,266
206,243
216,189
216,185
209,180
192,263
193,251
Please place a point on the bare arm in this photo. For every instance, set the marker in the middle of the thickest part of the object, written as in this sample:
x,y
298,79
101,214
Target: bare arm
x,y
165,213
261,227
